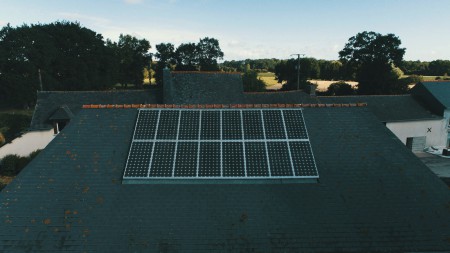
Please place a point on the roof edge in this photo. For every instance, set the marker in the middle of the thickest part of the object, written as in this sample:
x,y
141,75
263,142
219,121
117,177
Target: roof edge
x,y
212,106
206,72
94,91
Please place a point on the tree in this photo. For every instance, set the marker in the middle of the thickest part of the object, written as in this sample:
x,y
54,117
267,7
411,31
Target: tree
x,y
133,57
330,70
372,56
186,57
69,57
286,71
166,55
209,52
202,56
340,89
251,81
439,68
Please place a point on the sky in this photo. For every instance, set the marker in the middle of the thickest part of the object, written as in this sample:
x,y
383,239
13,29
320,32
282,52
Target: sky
x,y
252,29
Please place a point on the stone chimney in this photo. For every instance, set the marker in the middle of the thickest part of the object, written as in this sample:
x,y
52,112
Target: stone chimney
x,y
312,89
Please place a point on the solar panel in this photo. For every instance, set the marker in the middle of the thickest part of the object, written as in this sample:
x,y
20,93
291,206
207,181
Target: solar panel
x,y
252,123
186,159
162,159
210,125
233,159
168,123
145,126
190,126
219,144
209,160
231,125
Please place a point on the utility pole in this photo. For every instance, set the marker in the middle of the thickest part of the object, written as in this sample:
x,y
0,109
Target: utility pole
x,y
40,79
298,69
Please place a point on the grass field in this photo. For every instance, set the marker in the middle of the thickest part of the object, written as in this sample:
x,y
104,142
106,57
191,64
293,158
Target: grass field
x,y
272,84
433,78
268,78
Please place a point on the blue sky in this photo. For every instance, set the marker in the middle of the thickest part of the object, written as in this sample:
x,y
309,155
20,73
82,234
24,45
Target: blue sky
x,y
253,28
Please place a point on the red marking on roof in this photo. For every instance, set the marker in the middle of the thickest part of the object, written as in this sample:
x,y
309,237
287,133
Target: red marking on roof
x,y
219,106
273,92
206,72
436,81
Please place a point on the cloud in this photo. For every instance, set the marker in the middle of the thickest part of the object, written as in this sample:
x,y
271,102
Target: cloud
x,y
133,1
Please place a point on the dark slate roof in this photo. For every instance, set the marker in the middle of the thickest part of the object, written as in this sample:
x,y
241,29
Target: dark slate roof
x,y
435,95
49,102
191,87
279,97
387,108
62,113
373,196
441,90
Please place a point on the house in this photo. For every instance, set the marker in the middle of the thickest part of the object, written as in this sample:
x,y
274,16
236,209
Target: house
x,y
408,119
413,124
371,194
436,97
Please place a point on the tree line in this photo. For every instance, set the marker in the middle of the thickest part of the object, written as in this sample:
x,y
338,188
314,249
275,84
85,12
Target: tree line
x,y
202,56
311,68
66,56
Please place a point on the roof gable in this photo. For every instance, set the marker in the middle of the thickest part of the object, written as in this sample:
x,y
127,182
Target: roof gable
x,y
62,113
440,91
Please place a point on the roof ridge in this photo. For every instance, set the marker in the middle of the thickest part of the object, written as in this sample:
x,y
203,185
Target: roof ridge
x,y
273,92
437,81
350,96
216,106
205,72
90,91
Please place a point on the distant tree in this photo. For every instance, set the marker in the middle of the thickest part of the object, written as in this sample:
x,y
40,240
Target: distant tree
x,y
415,67
166,58
286,71
340,89
209,52
70,57
330,70
439,68
133,57
186,57
373,56
251,81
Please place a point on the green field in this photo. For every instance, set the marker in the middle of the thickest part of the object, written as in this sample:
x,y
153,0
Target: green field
x,y
433,78
268,78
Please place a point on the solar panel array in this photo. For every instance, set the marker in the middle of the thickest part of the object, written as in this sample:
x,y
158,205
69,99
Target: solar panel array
x,y
220,144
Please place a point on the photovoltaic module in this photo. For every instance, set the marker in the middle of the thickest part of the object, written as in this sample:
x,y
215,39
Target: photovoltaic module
x,y
219,144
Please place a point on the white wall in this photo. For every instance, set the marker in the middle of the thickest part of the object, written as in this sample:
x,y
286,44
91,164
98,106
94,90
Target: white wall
x,y
27,143
447,123
437,137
